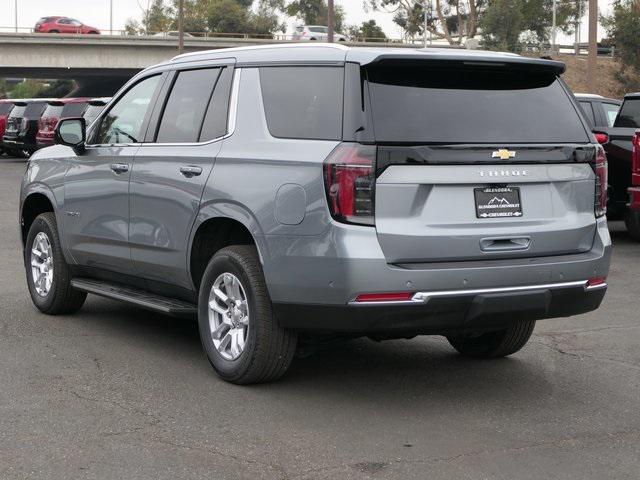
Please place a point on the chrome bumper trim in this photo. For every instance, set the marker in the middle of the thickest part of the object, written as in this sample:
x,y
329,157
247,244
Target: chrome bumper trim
x,y
423,297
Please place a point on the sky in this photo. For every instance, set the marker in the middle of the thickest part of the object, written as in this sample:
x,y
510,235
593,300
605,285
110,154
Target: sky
x,y
96,13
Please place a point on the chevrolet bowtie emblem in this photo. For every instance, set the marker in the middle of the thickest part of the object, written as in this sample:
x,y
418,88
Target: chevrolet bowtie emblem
x,y
503,154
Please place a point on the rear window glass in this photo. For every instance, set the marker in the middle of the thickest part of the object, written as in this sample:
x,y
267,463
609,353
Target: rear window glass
x,y
73,110
303,102
629,116
5,108
18,111
427,104
53,111
34,110
318,29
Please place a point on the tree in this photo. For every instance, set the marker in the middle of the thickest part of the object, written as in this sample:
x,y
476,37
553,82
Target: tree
x,y
369,31
504,22
227,16
316,12
623,27
459,16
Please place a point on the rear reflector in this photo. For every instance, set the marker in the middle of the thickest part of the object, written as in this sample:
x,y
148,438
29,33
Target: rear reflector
x,y
596,281
635,160
385,297
350,183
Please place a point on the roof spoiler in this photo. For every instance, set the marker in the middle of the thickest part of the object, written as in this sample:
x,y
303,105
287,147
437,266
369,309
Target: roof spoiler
x,y
512,62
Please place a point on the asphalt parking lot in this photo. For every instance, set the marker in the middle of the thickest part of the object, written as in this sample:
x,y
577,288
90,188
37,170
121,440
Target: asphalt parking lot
x,y
117,392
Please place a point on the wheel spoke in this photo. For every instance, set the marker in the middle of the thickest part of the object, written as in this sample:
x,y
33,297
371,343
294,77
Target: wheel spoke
x,y
235,349
220,294
224,344
213,305
228,286
221,331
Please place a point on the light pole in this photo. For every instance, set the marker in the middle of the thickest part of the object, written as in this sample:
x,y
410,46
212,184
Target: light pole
x,y
554,26
330,20
15,13
181,26
592,59
111,17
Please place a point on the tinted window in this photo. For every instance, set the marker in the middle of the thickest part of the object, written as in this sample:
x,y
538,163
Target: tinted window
x,y
123,123
188,101
587,108
319,29
611,112
34,110
5,108
629,116
303,102
215,121
72,110
432,104
53,111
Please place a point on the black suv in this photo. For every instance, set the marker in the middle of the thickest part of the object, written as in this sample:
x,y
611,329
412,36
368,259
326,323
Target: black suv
x,y
22,126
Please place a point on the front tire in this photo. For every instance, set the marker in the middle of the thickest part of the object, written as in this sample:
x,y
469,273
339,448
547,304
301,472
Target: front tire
x,y
632,221
494,344
239,331
48,276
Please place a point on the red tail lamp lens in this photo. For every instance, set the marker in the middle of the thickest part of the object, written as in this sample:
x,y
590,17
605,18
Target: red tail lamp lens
x,y
350,183
596,281
602,179
601,138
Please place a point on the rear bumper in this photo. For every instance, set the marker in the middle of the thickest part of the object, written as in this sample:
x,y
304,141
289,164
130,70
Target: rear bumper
x,y
446,312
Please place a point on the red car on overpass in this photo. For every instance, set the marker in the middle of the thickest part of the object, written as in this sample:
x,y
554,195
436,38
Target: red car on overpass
x,y
63,25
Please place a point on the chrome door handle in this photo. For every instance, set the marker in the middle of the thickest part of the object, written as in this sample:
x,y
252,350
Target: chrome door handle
x,y
190,171
119,168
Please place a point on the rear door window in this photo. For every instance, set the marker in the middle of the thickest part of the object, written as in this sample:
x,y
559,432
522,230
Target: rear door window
x,y
434,104
303,102
587,108
186,106
216,118
610,112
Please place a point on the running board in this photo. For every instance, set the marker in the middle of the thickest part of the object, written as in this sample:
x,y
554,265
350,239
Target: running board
x,y
140,298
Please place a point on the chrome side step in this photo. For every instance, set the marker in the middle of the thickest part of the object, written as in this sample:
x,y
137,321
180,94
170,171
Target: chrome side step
x,y
140,298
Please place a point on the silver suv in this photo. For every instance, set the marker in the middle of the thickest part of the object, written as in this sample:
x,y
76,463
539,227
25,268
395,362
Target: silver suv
x,y
284,191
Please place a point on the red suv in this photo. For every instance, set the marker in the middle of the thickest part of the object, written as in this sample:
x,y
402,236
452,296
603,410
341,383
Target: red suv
x,y
55,111
5,109
63,25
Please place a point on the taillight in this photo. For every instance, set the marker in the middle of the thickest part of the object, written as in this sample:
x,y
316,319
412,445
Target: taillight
x,y
601,182
635,159
350,183
601,138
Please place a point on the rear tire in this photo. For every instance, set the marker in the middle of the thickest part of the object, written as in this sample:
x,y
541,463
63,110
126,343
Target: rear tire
x,y
632,221
52,295
240,334
494,344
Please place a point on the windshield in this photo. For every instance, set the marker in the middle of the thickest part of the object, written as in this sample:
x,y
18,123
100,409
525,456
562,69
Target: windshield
x,y
432,104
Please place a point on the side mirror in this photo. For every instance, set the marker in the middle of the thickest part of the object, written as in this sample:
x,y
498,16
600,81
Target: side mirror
x,y
72,132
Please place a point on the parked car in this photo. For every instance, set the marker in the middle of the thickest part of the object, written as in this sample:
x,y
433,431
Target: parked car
x,y
310,33
618,146
22,126
5,108
96,105
270,200
633,217
63,25
600,111
56,110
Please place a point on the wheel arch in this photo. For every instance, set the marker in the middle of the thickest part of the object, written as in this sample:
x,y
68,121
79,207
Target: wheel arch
x,y
217,226
34,204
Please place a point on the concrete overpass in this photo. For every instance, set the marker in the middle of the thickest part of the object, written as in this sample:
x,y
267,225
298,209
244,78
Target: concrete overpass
x,y
99,63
